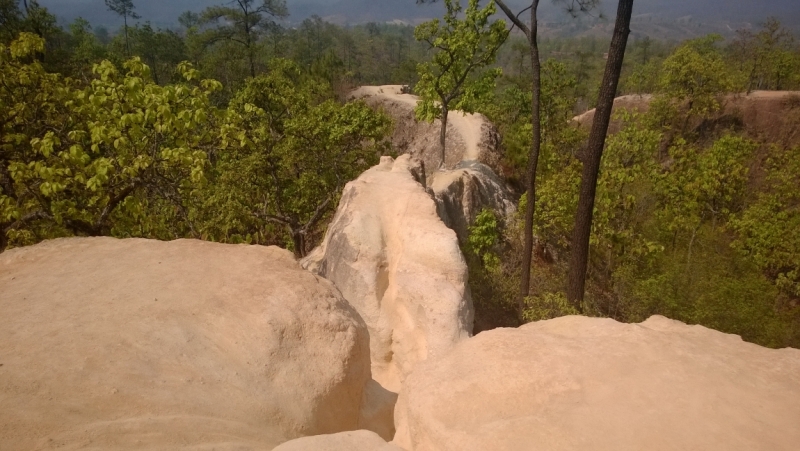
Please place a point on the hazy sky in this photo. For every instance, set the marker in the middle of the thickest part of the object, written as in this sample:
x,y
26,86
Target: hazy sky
x,y
165,12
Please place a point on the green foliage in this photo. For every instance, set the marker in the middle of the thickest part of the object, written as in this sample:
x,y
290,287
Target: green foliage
x,y
643,78
242,24
624,195
768,228
718,290
547,306
161,50
10,20
493,282
86,49
510,110
462,48
768,59
124,8
124,156
286,154
703,185
691,80
454,79
73,155
484,237
667,209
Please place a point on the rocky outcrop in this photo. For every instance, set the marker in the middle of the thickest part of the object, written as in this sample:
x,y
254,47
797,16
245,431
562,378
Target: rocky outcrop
x,y
136,344
463,192
577,383
344,441
377,410
768,116
469,182
396,262
631,102
470,137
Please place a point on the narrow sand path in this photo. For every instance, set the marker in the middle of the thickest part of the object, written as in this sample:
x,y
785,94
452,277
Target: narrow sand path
x,y
467,125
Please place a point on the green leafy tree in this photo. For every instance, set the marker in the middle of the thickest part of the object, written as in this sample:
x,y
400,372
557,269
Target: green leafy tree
x,y
492,281
36,19
32,100
546,306
243,23
11,20
624,197
706,185
484,237
288,151
556,190
191,24
454,80
768,58
692,79
768,228
73,156
86,50
124,8
161,50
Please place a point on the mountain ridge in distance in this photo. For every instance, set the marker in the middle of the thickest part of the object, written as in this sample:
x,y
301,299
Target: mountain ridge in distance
x,y
716,15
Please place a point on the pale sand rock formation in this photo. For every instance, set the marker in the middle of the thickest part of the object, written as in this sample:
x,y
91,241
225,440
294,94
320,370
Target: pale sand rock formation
x,y
377,410
343,441
631,102
463,192
470,182
396,262
577,383
135,344
771,116
470,137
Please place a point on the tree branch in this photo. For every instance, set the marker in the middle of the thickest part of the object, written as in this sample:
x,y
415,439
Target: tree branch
x,y
515,18
112,204
25,219
317,214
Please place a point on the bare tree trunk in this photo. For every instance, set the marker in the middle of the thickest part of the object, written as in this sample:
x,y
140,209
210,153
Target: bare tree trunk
x,y
536,141
248,40
3,238
443,135
250,57
594,152
533,161
299,241
127,44
252,64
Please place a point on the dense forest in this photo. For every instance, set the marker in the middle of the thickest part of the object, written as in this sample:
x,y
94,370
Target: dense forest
x,y
234,128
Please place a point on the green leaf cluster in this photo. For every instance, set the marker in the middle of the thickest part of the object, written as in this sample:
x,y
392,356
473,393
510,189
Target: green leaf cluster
x,y
768,229
72,153
456,78
287,150
692,78
484,237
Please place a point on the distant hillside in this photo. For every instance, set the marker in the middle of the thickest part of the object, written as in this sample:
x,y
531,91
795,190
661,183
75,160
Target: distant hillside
x,y
665,19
